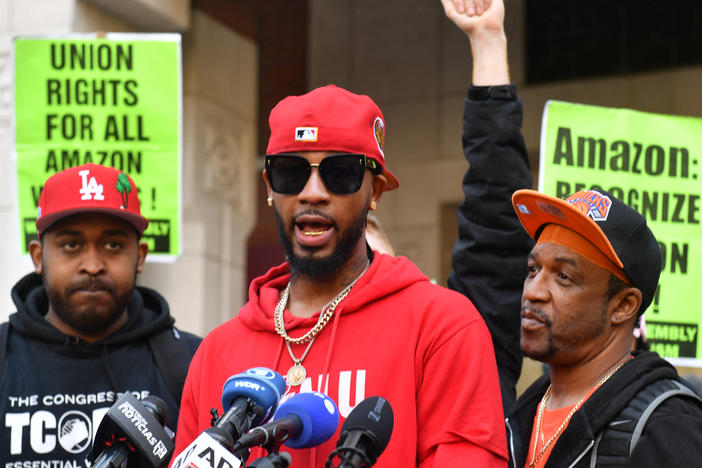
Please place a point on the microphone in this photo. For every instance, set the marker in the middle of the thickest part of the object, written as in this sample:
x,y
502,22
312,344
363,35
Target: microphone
x,y
132,433
305,420
364,435
248,399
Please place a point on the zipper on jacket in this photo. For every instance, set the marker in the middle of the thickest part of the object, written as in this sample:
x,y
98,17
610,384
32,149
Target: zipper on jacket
x,y
587,449
511,443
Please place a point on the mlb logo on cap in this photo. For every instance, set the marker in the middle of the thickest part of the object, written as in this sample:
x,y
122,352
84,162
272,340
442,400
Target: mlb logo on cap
x,y
306,134
90,188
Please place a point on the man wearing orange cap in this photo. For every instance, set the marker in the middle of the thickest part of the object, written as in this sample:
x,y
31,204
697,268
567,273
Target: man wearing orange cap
x,y
592,273
84,333
342,319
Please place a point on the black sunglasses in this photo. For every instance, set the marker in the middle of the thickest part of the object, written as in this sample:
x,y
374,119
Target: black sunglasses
x,y
341,173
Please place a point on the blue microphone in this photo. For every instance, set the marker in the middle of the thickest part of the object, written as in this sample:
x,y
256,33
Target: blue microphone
x,y
261,386
248,399
305,420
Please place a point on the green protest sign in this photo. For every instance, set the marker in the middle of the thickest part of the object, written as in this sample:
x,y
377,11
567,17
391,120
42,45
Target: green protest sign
x,y
651,162
113,100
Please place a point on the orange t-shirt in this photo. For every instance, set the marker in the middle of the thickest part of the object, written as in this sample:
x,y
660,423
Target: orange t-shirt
x,y
550,422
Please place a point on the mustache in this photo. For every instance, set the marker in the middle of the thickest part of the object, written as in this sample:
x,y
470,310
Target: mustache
x,y
312,212
527,307
90,284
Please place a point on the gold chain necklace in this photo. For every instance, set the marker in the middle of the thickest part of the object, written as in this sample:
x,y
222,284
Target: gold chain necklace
x,y
297,373
535,458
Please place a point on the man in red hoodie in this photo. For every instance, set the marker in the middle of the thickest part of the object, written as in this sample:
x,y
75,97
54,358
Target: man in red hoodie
x,y
342,319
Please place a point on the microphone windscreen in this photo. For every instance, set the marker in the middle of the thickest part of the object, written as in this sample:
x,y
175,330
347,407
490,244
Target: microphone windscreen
x,y
374,415
140,426
158,408
262,385
319,416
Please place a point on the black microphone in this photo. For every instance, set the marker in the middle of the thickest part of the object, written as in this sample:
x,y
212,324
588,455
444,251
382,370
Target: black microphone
x,y
364,435
132,433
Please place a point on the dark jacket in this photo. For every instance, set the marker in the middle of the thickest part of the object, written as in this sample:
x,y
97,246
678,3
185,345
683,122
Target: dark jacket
x,y
490,254
672,437
55,388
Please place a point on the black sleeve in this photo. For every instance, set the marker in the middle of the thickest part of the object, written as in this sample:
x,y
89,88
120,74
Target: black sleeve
x,y
490,254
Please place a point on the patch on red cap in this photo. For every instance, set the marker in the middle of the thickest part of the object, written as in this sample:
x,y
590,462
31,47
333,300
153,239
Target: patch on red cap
x,y
379,131
306,133
123,187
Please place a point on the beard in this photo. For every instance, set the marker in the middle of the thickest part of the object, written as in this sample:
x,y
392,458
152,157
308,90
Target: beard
x,y
316,268
90,318
548,349
570,338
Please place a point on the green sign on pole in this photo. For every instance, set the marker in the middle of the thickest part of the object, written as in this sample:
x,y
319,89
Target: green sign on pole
x,y
113,100
651,162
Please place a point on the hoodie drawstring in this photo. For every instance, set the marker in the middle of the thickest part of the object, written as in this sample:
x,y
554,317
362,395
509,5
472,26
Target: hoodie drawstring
x,y
278,355
108,369
330,349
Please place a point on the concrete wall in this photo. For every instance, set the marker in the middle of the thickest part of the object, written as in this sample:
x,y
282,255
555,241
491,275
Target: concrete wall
x,y
416,65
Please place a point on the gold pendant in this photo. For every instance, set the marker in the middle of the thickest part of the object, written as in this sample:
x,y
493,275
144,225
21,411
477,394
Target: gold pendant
x,y
296,375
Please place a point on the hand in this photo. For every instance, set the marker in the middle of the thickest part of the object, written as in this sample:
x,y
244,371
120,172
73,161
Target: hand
x,y
472,16
483,23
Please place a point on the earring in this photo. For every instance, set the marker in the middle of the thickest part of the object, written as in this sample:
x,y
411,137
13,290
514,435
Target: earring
x,y
373,205
269,200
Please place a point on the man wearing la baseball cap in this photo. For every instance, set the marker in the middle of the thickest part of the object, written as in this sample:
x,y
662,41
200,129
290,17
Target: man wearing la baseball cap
x,y
340,318
83,332
592,273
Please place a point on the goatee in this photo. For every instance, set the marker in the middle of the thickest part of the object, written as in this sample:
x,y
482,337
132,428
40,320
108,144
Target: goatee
x,y
317,268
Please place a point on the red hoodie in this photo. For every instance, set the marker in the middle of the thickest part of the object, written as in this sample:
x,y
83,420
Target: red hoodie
x,y
422,347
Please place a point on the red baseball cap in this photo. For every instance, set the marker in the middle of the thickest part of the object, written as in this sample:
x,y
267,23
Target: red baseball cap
x,y
329,119
90,188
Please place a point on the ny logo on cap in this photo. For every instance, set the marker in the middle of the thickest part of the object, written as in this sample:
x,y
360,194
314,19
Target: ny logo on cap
x,y
90,190
592,203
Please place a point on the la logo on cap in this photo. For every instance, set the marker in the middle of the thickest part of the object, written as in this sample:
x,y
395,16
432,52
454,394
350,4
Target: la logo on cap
x,y
90,190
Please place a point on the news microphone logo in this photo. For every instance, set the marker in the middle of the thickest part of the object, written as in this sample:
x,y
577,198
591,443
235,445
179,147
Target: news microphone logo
x,y
133,432
261,385
248,399
364,435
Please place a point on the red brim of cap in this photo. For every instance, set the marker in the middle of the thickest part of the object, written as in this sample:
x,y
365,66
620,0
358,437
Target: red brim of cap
x,y
139,222
393,183
535,209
